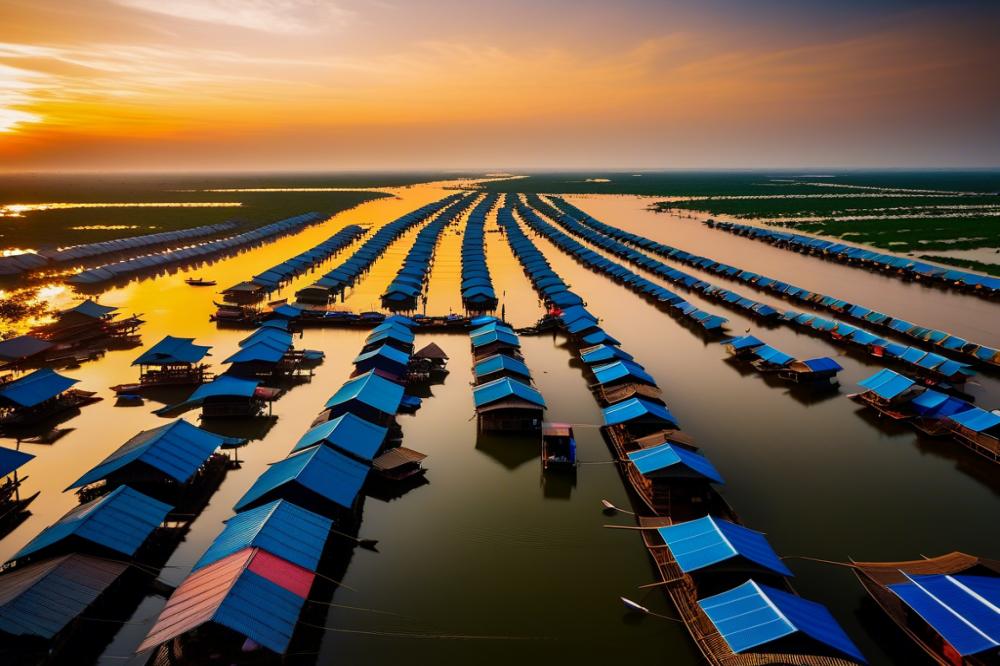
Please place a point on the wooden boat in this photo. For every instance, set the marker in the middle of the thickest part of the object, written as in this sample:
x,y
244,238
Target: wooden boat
x,y
200,282
878,577
558,446
884,407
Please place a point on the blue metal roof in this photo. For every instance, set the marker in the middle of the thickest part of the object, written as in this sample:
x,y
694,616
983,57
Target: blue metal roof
x,y
270,334
260,351
620,370
887,384
369,389
490,326
500,389
42,599
321,469
499,335
35,388
701,543
22,346
396,332
636,408
177,449
603,354
347,432
225,385
599,337
976,419
752,615
173,350
965,610
769,354
389,354
823,364
744,342
121,521
279,527
499,362
657,458
11,459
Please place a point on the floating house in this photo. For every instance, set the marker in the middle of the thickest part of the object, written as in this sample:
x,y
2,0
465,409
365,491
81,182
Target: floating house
x,y
500,340
242,604
388,361
815,370
12,504
171,362
319,479
888,392
40,395
673,480
23,349
979,430
947,605
370,396
163,462
349,434
428,361
508,405
500,366
227,396
86,323
42,603
115,525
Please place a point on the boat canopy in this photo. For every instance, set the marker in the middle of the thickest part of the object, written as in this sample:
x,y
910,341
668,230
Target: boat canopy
x,y
369,389
934,404
823,364
622,369
177,449
603,354
252,592
977,419
280,528
769,354
225,386
11,459
753,615
698,544
887,383
501,362
43,599
320,469
347,432
121,521
173,350
637,409
22,346
964,610
504,388
744,342
658,458
34,388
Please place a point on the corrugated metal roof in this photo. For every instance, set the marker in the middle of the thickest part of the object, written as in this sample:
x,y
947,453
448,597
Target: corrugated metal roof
x,y
499,362
637,409
280,528
753,615
622,369
976,419
35,388
657,458
260,351
41,599
503,388
172,350
701,543
122,520
177,449
369,389
320,469
90,309
225,385
965,610
887,384
260,600
347,432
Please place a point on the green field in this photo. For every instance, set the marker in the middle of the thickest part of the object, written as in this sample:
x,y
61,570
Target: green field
x,y
48,228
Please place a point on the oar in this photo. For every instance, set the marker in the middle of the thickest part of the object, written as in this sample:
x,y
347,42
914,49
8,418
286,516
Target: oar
x,y
639,608
611,508
367,544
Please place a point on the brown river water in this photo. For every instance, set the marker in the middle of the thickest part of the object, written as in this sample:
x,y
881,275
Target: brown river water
x,y
500,567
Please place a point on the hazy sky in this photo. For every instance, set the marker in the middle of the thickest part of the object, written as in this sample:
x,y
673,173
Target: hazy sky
x,y
348,84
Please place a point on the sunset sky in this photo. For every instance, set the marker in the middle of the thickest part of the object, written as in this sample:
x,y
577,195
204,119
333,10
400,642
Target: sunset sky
x,y
402,84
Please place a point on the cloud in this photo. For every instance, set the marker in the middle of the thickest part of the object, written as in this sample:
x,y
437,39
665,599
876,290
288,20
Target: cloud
x,y
277,16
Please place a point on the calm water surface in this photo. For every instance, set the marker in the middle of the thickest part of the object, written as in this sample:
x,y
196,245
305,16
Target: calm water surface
x,y
516,569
